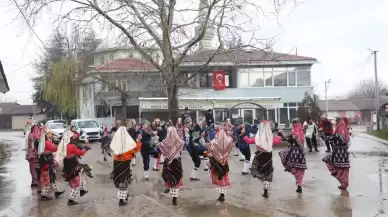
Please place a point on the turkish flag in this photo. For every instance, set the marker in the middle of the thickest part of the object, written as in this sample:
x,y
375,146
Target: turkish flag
x,y
219,80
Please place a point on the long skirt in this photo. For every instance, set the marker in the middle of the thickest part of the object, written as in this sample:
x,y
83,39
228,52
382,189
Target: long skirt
x,y
122,174
219,173
33,171
262,167
47,176
172,173
340,173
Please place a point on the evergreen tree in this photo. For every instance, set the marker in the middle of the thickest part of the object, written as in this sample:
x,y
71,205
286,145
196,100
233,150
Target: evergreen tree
x,y
309,108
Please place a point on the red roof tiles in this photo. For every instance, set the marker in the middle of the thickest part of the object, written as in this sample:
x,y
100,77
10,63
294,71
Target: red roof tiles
x,y
125,65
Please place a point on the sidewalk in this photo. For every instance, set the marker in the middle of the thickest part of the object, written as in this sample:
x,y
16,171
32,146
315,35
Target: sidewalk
x,y
365,135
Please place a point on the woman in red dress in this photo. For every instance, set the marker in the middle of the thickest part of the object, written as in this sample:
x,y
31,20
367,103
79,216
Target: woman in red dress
x,y
72,169
47,167
218,151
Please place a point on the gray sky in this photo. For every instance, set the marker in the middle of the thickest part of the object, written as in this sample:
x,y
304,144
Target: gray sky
x,y
337,33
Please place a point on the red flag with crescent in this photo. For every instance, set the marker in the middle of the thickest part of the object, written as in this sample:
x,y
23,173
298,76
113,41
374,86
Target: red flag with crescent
x,y
219,80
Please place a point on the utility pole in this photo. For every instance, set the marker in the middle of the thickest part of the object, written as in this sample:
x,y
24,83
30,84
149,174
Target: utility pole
x,y
326,104
377,104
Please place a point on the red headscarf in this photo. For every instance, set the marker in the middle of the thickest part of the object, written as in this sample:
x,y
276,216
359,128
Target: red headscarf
x,y
342,129
297,130
35,132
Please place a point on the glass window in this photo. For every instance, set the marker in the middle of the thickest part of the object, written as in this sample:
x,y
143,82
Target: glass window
x,y
268,79
303,78
261,114
248,116
293,113
350,114
201,114
283,115
271,115
192,82
218,117
291,76
256,78
244,78
102,61
280,79
227,81
111,57
292,104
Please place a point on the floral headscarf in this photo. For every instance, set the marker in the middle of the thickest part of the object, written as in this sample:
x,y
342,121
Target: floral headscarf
x,y
220,146
297,131
172,144
342,130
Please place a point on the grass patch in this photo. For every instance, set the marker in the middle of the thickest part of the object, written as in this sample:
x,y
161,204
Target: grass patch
x,y
382,134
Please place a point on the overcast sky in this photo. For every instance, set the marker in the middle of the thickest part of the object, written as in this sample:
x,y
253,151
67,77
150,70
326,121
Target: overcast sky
x,y
336,32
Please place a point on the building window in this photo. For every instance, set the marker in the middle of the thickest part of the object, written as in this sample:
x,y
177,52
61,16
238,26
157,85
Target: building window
x,y
112,57
350,114
283,115
206,79
291,73
293,113
102,60
279,77
332,114
218,116
303,76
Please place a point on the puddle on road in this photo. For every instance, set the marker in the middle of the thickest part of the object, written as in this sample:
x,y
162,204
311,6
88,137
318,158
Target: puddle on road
x,y
214,209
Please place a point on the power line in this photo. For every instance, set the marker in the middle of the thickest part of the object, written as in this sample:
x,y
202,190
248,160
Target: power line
x,y
363,68
28,24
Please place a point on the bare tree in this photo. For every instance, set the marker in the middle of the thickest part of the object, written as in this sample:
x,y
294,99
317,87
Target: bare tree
x,y
366,89
164,24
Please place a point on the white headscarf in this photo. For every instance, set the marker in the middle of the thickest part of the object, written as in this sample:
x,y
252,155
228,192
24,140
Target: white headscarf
x,y
28,131
264,139
122,142
62,147
42,141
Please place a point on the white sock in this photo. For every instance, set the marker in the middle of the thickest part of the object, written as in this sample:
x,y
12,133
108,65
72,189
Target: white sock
x,y
122,194
267,185
154,161
145,174
161,159
83,182
133,161
206,166
54,187
73,194
222,190
174,192
44,192
241,156
246,167
194,173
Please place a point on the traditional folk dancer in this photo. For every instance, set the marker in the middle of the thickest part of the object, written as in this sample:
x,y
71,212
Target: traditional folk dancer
x,y
218,150
338,161
172,174
326,127
32,154
262,166
146,150
47,166
74,172
245,149
193,149
293,158
162,133
105,140
132,131
124,147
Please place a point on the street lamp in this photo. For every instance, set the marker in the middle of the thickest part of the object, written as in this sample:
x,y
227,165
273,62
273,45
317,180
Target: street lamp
x,y
327,106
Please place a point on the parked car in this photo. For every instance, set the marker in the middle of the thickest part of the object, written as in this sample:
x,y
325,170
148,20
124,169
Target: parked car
x,y
56,121
57,128
88,129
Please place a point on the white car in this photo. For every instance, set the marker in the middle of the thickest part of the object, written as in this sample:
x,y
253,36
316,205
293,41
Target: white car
x,y
88,129
57,128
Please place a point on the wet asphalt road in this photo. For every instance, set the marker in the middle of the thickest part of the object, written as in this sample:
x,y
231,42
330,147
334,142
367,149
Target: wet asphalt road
x,y
320,197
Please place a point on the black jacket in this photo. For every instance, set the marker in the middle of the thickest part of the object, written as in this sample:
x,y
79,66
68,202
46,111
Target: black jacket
x,y
209,119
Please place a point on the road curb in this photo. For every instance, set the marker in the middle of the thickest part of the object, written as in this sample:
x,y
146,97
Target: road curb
x,y
367,136
33,208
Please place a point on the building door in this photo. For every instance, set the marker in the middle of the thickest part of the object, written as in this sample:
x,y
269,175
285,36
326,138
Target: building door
x,y
247,115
